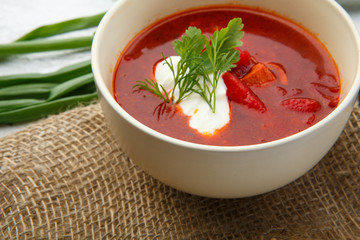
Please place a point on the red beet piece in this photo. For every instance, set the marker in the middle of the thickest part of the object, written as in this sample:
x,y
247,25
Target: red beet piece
x,y
301,104
240,93
245,58
244,65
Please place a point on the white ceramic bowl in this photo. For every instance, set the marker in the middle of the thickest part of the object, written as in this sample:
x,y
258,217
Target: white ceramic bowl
x,y
226,172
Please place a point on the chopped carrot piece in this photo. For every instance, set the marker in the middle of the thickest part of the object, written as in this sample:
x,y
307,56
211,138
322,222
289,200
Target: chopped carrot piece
x,y
258,76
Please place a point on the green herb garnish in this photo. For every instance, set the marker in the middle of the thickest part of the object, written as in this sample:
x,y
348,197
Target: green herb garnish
x,y
197,63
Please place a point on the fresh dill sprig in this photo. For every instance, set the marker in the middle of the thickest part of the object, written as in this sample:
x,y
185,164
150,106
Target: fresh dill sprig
x,y
200,58
152,86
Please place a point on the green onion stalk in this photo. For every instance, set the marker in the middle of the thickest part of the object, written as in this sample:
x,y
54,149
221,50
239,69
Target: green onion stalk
x,y
31,96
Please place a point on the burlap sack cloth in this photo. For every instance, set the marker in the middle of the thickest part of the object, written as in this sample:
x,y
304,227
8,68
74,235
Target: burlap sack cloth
x,y
65,178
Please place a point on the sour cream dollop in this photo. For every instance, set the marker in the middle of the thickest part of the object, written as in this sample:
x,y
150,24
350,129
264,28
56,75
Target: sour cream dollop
x,y
201,116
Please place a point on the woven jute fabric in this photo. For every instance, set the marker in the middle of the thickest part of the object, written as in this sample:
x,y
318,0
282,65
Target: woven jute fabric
x,y
66,178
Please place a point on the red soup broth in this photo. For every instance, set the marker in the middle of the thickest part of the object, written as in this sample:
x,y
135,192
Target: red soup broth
x,y
302,65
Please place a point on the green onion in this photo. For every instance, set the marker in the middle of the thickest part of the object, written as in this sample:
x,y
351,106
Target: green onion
x,y
63,27
33,46
88,88
30,90
30,96
44,109
7,105
71,85
61,75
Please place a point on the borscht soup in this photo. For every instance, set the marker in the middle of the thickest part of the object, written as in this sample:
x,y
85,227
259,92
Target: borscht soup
x,y
226,76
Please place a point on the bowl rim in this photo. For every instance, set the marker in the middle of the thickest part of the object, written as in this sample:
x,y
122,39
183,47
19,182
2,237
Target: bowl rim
x,y
107,95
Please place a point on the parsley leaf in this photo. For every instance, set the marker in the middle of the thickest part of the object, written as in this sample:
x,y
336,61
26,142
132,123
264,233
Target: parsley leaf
x,y
202,62
191,44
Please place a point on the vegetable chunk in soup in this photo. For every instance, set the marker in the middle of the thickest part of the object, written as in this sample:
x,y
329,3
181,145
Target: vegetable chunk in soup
x,y
226,76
